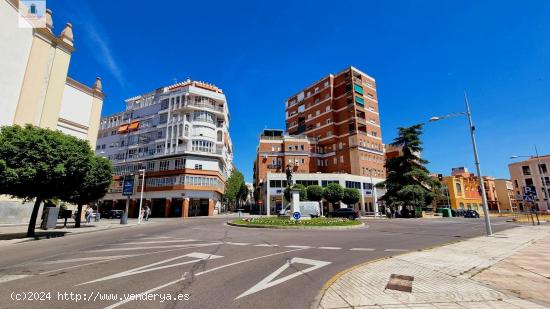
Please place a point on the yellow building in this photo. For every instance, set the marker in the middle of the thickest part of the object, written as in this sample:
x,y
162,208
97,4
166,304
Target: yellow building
x,y
463,190
35,88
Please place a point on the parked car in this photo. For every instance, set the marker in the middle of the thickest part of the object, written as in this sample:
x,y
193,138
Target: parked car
x,y
113,214
471,214
349,213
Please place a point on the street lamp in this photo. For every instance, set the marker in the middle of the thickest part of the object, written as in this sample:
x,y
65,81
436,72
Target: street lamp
x,y
541,172
141,195
468,114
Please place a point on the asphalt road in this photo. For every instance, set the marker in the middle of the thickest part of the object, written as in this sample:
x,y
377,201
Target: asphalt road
x,y
204,263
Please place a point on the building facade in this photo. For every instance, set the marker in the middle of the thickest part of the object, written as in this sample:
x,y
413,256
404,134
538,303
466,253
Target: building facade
x,y
341,113
179,135
531,173
36,89
463,190
506,196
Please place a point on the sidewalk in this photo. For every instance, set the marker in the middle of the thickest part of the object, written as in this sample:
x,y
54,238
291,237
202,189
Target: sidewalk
x,y
16,233
509,270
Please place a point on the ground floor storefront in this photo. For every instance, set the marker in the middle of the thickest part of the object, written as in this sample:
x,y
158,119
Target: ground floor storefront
x,y
163,207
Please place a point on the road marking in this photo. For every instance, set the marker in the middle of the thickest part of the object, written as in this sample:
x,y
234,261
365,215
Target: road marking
x,y
268,281
6,278
195,275
236,243
147,268
396,250
362,249
329,248
158,247
299,247
266,245
91,258
158,237
157,242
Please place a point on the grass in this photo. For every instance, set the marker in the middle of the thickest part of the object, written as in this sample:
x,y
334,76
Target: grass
x,y
316,222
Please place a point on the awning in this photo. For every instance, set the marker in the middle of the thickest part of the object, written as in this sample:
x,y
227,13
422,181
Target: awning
x,y
123,128
133,126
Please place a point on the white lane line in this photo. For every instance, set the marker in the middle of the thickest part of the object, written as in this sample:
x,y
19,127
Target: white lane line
x,y
396,250
90,258
158,237
362,249
299,247
236,243
6,278
329,248
268,281
147,268
195,275
158,247
156,242
266,245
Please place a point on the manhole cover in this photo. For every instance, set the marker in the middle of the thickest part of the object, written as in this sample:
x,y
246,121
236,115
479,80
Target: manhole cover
x,y
400,283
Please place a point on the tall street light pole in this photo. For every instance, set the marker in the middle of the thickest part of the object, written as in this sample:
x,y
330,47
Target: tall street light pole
x,y
141,195
468,114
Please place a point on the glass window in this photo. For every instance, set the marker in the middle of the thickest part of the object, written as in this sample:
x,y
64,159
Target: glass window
x,y
358,89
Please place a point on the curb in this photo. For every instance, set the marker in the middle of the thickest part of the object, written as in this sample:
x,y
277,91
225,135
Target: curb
x,y
278,227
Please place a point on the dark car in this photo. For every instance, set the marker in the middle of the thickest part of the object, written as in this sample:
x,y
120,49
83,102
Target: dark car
x,y
471,214
112,214
349,213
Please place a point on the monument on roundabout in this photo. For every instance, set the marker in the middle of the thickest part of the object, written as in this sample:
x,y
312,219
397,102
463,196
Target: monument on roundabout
x,y
294,195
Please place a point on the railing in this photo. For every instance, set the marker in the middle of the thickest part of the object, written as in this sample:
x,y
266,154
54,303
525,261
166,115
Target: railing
x,y
274,166
203,105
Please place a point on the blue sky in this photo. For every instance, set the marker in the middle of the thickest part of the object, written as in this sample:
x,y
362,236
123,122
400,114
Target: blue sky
x,y
423,55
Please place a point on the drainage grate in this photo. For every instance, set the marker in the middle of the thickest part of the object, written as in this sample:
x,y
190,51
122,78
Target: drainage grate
x,y
400,283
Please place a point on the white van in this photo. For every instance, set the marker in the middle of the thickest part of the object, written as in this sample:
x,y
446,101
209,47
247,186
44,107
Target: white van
x,y
310,209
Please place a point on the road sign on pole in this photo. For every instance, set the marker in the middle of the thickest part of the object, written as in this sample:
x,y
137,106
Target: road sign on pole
x,y
128,185
296,215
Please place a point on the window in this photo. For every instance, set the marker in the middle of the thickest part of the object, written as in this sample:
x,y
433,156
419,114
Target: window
x,y
164,104
179,163
203,116
325,183
302,147
220,136
359,101
317,113
307,183
198,166
202,146
526,170
458,188
528,181
341,159
163,165
327,109
542,168
163,118
353,185
358,89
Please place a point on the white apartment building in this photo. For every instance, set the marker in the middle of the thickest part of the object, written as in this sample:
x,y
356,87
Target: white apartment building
x,y
178,134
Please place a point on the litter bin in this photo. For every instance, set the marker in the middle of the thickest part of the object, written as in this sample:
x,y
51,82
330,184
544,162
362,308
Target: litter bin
x,y
445,212
50,215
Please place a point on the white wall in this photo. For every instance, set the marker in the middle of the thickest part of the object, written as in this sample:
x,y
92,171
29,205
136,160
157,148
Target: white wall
x,y
15,46
207,164
76,105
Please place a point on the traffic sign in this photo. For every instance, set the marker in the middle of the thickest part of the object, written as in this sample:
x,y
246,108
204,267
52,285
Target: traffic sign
x,y
528,198
296,215
530,190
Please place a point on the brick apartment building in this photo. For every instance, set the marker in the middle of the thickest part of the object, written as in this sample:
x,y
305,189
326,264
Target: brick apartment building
x,y
332,127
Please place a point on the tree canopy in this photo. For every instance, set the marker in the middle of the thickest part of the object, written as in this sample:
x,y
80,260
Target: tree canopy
x,y
333,193
233,186
351,196
314,193
408,183
94,185
40,164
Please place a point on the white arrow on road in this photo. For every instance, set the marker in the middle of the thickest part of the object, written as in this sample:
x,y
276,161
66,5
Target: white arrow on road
x,y
268,281
147,268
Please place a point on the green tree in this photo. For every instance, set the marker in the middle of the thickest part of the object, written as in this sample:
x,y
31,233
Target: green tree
x,y
94,186
233,186
351,196
314,193
408,183
40,164
301,188
333,193
242,195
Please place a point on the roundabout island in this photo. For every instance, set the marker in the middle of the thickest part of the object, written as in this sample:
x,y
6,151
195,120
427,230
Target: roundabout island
x,y
288,223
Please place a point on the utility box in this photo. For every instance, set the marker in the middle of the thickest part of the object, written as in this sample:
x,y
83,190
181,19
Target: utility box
x,y
50,215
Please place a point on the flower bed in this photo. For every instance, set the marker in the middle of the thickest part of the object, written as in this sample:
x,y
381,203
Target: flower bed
x,y
316,222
